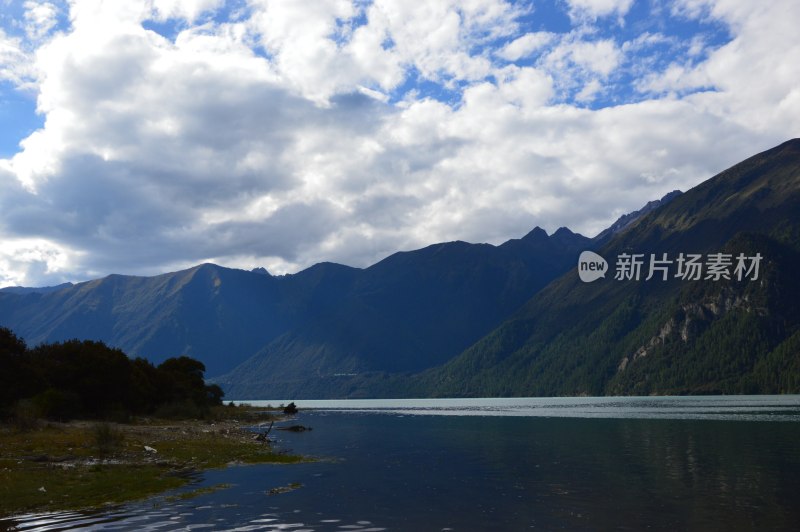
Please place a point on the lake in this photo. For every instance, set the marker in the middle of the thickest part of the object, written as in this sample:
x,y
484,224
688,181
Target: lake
x,y
658,463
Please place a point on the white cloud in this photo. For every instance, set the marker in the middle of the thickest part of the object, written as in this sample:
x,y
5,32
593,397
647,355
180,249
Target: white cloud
x,y
302,39
316,49
40,18
579,66
600,57
187,9
528,87
526,45
692,8
15,61
295,133
599,8
752,84
589,91
436,37
26,262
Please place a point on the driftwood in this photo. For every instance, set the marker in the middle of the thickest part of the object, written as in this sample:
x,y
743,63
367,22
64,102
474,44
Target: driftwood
x,y
296,428
262,436
291,408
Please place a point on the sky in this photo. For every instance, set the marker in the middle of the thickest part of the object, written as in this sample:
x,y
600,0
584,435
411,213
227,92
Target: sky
x,y
141,137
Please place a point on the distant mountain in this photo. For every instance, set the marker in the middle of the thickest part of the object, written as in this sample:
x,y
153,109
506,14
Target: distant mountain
x,y
29,290
409,312
659,336
628,219
217,315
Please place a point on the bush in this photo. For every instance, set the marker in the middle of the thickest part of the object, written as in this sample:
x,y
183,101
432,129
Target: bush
x,y
107,439
58,405
25,415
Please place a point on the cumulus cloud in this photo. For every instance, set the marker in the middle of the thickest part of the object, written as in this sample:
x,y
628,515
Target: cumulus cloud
x,y
526,45
599,57
42,261
318,48
286,133
745,80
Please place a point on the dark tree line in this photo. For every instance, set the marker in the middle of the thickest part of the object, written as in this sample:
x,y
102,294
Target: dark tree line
x,y
86,379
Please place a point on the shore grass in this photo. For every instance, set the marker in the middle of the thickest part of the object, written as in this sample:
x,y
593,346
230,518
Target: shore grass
x,y
82,465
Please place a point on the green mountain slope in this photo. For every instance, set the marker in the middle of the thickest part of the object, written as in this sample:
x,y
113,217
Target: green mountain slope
x,y
661,337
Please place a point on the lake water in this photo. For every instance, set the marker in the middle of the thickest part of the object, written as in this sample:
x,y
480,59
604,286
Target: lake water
x,y
699,463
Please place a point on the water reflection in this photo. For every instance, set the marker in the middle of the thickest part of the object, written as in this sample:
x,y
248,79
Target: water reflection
x,y
152,520
741,407
498,472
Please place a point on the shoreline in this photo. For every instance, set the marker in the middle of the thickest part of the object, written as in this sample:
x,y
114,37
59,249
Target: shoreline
x,y
86,465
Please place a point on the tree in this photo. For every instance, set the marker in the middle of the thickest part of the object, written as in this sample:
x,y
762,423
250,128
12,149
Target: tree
x,y
16,375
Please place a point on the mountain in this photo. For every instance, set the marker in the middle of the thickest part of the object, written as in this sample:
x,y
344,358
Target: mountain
x,y
218,315
409,312
658,336
628,219
459,319
29,290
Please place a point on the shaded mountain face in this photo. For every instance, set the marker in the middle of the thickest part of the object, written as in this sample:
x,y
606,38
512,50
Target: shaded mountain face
x,y
409,312
661,336
215,314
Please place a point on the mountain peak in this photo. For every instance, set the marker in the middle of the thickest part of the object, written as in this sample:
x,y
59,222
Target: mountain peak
x,y
537,233
563,233
568,239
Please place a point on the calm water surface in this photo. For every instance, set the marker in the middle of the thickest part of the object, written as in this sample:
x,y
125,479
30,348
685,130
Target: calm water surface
x,y
708,463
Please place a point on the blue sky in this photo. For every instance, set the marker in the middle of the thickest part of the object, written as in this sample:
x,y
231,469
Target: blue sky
x,y
18,116
145,136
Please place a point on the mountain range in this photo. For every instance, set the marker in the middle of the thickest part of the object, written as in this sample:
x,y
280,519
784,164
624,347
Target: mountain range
x,y
411,311
460,319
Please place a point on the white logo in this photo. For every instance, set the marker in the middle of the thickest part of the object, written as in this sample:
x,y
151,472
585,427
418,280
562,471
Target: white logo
x,y
591,266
